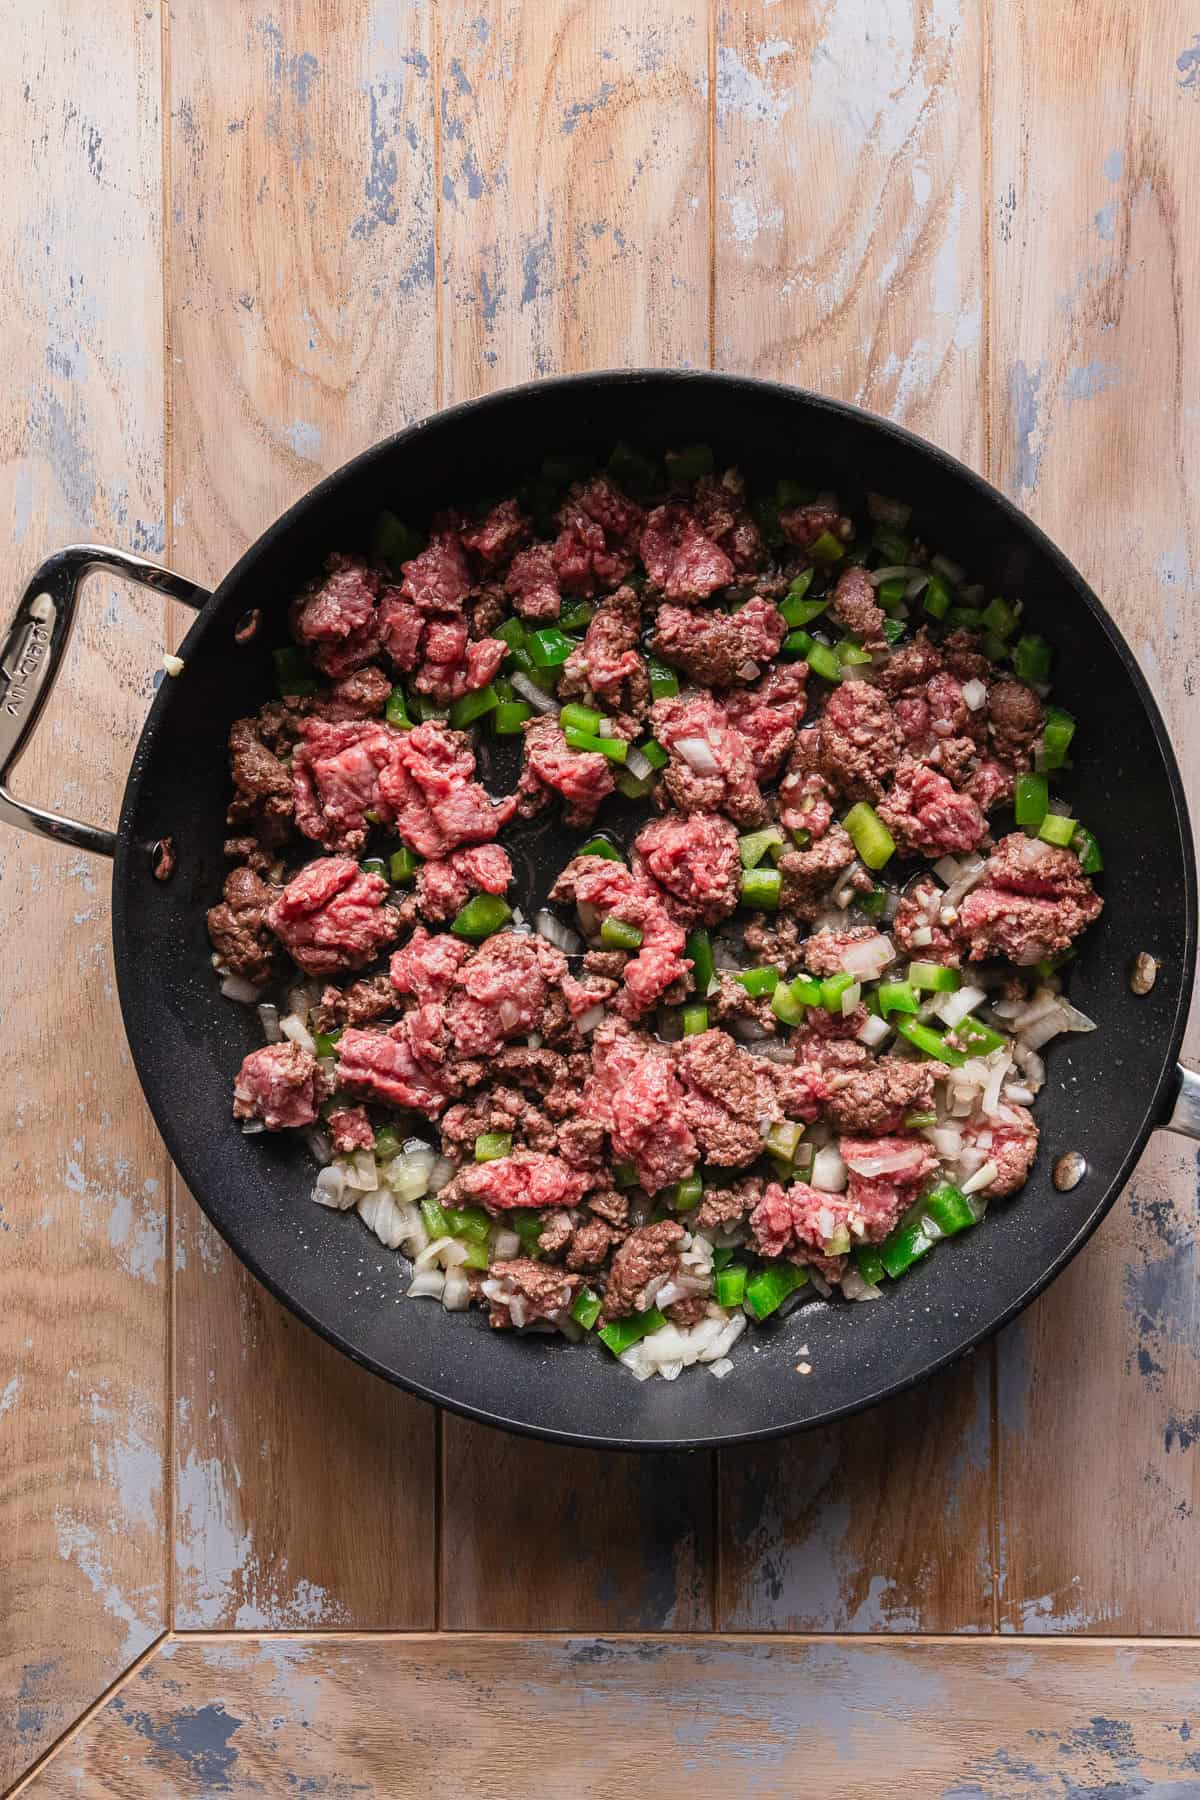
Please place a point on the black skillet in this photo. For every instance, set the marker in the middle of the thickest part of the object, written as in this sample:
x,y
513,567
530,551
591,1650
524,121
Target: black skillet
x,y
1106,1091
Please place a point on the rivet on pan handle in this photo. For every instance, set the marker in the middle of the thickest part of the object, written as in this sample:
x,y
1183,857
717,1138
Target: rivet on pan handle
x,y
1185,1115
32,653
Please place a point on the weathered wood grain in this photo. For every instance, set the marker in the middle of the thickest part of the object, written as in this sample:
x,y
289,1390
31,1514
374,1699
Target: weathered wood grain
x,y
782,1719
573,188
83,1402
301,318
541,1538
849,164
574,232
1096,383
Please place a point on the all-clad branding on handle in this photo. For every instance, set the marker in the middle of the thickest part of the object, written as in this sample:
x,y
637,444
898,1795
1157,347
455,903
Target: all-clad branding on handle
x,y
30,661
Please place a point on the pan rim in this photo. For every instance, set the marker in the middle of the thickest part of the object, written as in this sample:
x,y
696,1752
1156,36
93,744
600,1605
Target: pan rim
x,y
1183,976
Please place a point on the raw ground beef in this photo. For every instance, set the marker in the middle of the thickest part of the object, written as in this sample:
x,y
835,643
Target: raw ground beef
x,y
439,579
579,1061
501,991
727,1095
617,892
332,916
444,887
527,1178
583,777
927,817
711,767
404,1066
647,1253
696,861
452,665
430,791
238,927
336,775
719,649
608,666
532,584
281,1085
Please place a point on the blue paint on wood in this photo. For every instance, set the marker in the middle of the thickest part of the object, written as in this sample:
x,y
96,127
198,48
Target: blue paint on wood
x,y
196,1737
1024,385
1188,64
1089,379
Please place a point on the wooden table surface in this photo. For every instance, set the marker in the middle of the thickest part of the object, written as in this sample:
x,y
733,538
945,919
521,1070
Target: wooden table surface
x,y
241,243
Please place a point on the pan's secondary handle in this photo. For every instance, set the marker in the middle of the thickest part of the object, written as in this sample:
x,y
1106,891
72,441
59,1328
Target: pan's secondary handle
x,y
1185,1115
30,658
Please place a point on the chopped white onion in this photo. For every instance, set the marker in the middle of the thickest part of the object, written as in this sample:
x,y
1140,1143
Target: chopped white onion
x,y
981,1178
361,1170
556,933
588,1021
974,694
318,1144
172,664
697,753
429,1284
946,1141
1030,1065
1018,1094
873,1031
970,872
441,1173
380,1214
951,571
330,1189
638,765
970,1159
947,869
407,1175
917,585
505,1245
921,938
236,987
952,1009
269,1016
829,1171
252,1127
886,511
871,1165
856,1287
293,1027
851,998
456,1293
896,571
537,697
721,1369
870,958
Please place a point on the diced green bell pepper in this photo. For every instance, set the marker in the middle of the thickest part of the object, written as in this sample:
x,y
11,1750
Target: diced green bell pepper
x,y
930,1042
490,1146
1032,658
1087,850
395,543
695,1020
688,1193
510,716
730,1285
689,462
436,1222
664,682
767,1289
699,948
827,549
1055,829
797,611
935,978
293,672
823,662
758,981
936,598
976,1038
832,989
1030,800
480,917
999,617
548,646
472,706
621,1334
950,1209
402,866
396,710
586,1309
755,844
575,617
580,718
468,1222
897,996
615,934
1056,738
600,846
870,836
615,748
761,888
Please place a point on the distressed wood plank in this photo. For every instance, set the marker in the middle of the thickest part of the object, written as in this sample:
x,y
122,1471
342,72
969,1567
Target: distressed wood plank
x,y
575,234
785,1720
302,325
83,1405
574,188
1096,386
849,174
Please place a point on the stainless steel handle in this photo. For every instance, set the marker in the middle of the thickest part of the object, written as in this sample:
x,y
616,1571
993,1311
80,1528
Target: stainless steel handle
x,y
30,659
1185,1115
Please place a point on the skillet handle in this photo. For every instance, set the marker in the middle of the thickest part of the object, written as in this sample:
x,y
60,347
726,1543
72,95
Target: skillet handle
x,y
1185,1114
30,658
